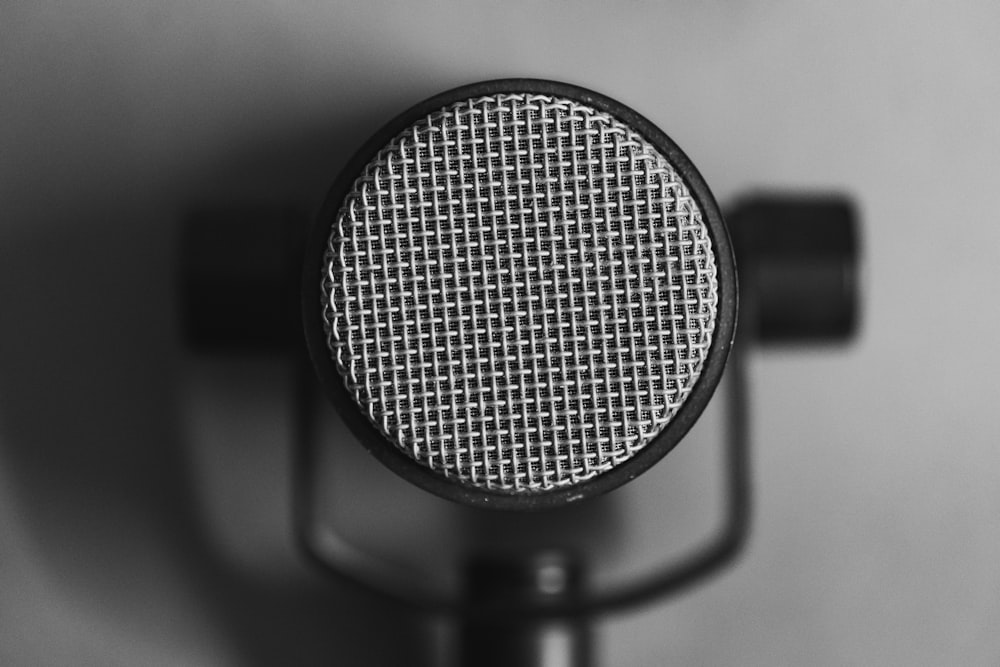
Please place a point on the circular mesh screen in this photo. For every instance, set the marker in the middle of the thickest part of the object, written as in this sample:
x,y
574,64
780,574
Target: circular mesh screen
x,y
520,292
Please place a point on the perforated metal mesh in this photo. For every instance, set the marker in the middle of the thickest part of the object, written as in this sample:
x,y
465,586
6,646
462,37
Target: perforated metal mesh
x,y
520,292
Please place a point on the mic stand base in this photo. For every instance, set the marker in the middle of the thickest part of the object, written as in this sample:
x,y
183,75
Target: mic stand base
x,y
526,641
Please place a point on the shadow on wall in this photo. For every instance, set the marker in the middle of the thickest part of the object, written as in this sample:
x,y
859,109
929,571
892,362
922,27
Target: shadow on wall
x,y
92,438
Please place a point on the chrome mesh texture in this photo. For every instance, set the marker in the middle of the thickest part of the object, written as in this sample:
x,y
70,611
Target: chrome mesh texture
x,y
520,292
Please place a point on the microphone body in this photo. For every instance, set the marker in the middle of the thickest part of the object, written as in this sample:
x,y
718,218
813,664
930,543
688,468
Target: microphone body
x,y
520,294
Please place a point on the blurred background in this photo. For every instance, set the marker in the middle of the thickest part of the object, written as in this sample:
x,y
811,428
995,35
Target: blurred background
x,y
145,492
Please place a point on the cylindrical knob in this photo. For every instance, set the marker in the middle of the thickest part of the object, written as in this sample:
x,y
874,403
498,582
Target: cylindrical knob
x,y
238,278
798,263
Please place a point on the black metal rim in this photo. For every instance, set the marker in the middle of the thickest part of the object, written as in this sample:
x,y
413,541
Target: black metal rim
x,y
379,446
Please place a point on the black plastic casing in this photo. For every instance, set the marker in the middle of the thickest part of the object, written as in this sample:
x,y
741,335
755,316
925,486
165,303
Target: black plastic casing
x,y
386,451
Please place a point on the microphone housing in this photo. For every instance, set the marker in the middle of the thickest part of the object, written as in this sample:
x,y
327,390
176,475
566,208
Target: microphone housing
x,y
519,294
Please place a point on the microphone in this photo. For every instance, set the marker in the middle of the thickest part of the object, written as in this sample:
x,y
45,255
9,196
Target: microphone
x,y
519,294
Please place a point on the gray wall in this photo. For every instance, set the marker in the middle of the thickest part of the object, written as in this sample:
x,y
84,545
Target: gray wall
x,y
143,497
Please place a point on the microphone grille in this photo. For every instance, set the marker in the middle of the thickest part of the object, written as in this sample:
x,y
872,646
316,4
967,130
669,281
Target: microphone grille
x,y
519,292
